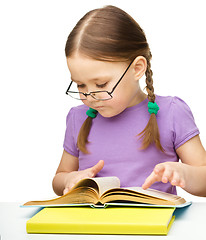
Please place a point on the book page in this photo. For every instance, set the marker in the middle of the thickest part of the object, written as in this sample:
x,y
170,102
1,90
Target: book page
x,y
137,194
87,190
155,193
106,183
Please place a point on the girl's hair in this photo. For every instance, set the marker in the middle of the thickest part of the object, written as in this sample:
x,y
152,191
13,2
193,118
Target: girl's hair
x,y
110,34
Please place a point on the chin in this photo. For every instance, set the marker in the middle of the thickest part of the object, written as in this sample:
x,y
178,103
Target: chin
x,y
105,115
108,114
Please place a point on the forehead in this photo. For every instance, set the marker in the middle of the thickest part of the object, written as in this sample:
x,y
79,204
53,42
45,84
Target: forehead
x,y
82,68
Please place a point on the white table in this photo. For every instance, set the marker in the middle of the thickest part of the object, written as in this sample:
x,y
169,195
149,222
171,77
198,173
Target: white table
x,y
190,223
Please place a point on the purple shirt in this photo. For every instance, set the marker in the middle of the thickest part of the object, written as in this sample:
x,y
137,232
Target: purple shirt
x,y
115,140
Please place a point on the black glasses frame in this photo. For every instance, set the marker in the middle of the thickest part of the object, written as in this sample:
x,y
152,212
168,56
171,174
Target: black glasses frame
x,y
91,93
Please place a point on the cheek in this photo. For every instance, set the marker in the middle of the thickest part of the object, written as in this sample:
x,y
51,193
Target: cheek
x,y
114,107
85,102
120,100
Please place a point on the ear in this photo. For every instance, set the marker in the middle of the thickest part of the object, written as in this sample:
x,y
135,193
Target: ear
x,y
139,66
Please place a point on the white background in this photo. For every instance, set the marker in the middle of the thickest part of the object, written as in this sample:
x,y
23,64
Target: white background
x,y
34,77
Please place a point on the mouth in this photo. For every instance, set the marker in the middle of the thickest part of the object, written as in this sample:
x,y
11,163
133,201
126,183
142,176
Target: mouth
x,y
98,107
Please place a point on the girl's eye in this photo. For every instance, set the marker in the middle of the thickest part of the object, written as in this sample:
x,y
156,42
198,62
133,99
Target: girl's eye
x,y
98,85
81,85
102,85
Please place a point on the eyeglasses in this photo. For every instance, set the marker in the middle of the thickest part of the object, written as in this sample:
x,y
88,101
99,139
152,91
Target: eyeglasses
x,y
98,95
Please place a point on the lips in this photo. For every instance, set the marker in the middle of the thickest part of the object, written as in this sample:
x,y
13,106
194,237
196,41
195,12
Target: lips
x,y
98,107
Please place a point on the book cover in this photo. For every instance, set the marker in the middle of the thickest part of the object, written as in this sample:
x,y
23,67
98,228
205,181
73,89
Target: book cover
x,y
110,220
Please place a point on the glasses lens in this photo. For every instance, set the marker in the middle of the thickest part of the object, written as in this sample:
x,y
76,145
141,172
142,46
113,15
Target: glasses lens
x,y
98,95
77,95
74,92
104,95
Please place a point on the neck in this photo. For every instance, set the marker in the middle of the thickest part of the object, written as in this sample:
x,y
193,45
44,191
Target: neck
x,y
140,96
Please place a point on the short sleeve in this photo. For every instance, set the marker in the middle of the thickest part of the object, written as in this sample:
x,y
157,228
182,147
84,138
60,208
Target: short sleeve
x,y
183,124
69,140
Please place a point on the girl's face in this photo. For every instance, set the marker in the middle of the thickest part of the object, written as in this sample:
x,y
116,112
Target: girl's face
x,y
91,75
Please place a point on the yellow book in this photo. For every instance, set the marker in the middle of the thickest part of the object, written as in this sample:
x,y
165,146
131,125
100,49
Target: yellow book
x,y
110,220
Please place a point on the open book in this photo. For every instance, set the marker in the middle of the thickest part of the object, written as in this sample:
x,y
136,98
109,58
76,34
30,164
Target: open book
x,y
107,191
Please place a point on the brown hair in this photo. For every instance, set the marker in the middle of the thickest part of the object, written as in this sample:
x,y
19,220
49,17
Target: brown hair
x,y
110,34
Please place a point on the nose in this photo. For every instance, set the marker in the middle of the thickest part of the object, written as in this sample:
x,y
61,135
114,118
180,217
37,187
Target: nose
x,y
91,99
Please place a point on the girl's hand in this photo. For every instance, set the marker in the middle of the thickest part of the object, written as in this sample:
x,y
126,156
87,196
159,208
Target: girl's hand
x,y
173,172
75,176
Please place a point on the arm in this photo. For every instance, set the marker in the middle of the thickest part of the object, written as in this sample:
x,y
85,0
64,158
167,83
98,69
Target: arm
x,y
193,156
190,174
67,174
68,164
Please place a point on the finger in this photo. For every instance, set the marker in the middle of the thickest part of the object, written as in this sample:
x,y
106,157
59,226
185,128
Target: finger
x,y
150,180
159,168
66,190
167,175
97,168
182,183
176,180
73,183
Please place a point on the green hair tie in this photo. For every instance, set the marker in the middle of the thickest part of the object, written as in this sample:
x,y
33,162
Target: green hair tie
x,y
92,113
153,108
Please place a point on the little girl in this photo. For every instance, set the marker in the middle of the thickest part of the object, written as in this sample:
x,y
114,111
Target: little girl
x,y
119,130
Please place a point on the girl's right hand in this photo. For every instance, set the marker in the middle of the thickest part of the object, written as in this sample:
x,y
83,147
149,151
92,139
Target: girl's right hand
x,y
73,177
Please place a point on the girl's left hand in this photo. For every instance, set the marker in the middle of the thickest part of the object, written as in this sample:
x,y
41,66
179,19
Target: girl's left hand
x,y
173,172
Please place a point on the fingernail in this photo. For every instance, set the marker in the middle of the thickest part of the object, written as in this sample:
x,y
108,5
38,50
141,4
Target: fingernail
x,y
65,192
165,180
182,185
173,182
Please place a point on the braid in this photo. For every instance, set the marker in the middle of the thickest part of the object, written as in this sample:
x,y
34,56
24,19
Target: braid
x,y
149,82
83,135
151,132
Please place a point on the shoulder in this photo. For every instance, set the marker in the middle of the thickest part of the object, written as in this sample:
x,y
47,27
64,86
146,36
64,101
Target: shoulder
x,y
77,113
178,118
175,110
168,99
79,109
171,103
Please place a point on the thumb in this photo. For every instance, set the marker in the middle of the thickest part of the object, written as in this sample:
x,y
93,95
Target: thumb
x,y
66,190
97,168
